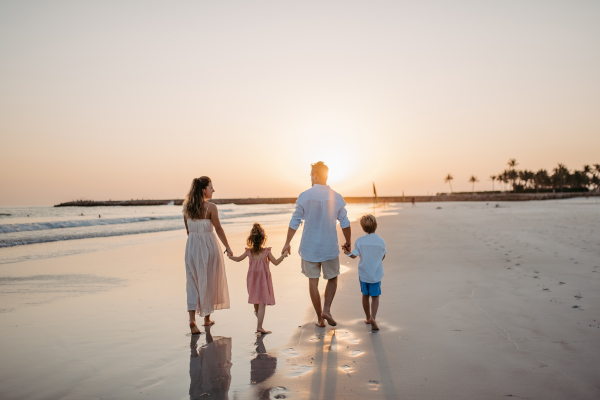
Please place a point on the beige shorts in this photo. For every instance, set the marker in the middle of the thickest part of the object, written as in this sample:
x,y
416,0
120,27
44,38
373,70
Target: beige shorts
x,y
331,268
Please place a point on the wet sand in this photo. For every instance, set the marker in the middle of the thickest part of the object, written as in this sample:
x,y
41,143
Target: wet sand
x,y
478,302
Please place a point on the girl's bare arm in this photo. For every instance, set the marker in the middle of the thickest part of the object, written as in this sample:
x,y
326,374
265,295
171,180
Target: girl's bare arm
x,y
238,258
186,228
214,218
276,261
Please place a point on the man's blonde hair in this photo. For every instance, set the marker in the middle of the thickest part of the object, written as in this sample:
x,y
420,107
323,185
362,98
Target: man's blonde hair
x,y
368,223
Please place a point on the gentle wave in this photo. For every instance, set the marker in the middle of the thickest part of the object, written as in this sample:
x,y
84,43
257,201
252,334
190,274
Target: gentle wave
x,y
87,235
40,226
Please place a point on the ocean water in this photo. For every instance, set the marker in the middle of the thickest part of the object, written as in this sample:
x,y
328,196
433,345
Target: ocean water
x,y
42,232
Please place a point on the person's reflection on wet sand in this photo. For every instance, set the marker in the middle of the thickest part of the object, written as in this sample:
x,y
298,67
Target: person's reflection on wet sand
x,y
263,365
210,367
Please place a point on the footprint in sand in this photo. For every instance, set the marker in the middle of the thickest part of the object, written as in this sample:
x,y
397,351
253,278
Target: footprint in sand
x,y
298,370
373,385
356,353
579,307
353,341
277,393
346,368
546,289
289,352
561,283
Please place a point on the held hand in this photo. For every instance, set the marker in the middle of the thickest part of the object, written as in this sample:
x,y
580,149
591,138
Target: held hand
x,y
287,248
346,252
229,253
346,246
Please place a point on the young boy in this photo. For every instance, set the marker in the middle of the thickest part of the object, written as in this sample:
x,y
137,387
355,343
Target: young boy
x,y
371,249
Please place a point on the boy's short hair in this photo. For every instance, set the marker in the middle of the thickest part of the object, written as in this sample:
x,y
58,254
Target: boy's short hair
x,y
320,169
368,223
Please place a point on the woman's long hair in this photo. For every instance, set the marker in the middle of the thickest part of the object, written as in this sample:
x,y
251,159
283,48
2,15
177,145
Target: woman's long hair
x,y
194,201
257,238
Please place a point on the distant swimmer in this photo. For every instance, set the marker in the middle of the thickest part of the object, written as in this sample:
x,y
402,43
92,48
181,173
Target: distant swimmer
x,y
99,216
413,202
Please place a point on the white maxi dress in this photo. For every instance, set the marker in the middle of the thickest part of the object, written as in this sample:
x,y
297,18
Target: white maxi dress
x,y
206,282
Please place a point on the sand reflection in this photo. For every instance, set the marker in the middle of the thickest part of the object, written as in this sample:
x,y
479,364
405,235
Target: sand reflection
x,y
263,366
210,367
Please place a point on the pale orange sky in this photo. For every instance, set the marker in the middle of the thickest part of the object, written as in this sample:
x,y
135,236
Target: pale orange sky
x,y
120,100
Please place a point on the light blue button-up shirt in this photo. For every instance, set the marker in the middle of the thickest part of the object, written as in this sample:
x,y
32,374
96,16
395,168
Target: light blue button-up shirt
x,y
371,249
319,207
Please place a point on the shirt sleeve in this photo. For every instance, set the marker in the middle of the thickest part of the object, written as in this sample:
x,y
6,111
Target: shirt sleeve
x,y
298,215
343,217
355,251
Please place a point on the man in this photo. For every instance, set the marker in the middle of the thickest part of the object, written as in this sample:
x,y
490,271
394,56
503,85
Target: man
x,y
320,207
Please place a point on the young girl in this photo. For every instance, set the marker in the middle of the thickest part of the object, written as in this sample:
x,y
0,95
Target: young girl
x,y
260,286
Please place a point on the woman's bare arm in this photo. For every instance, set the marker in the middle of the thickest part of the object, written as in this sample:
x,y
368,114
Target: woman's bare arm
x,y
214,218
276,261
186,228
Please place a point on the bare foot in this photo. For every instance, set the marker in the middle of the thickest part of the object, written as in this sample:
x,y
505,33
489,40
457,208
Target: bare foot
x,y
328,318
367,321
321,323
374,325
261,330
208,322
194,328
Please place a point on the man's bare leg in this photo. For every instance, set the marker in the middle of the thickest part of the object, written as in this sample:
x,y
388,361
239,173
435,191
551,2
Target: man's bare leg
x,y
313,288
367,308
330,290
374,307
193,327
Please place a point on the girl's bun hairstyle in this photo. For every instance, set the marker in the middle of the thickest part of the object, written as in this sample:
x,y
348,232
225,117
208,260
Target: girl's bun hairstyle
x,y
257,238
194,202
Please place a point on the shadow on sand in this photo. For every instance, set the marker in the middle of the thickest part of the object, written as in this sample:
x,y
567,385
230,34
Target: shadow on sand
x,y
385,374
331,368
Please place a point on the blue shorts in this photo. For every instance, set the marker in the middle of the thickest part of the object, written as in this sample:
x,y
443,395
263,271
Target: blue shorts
x,y
370,289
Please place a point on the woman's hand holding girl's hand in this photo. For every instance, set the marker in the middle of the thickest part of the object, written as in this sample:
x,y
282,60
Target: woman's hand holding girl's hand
x,y
229,253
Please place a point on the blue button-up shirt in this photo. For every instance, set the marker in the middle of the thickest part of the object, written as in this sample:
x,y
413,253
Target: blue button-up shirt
x,y
319,207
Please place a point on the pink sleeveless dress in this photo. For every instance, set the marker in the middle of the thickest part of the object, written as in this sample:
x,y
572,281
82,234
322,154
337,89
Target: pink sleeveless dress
x,y
260,285
206,281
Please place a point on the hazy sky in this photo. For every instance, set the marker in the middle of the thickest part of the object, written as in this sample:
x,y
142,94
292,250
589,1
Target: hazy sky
x,y
132,99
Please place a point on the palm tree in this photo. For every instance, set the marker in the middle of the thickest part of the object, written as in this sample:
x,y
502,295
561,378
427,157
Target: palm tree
x,y
512,163
473,179
492,178
448,180
560,176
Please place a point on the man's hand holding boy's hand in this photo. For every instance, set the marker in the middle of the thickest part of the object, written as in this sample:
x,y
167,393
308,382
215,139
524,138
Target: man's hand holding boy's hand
x,y
346,252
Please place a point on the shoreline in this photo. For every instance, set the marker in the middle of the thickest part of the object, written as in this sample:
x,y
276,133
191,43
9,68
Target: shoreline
x,y
381,199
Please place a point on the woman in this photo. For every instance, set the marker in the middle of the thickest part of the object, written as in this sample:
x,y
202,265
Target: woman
x,y
205,269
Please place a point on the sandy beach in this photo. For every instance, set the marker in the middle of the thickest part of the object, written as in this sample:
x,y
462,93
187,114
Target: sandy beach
x,y
478,302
